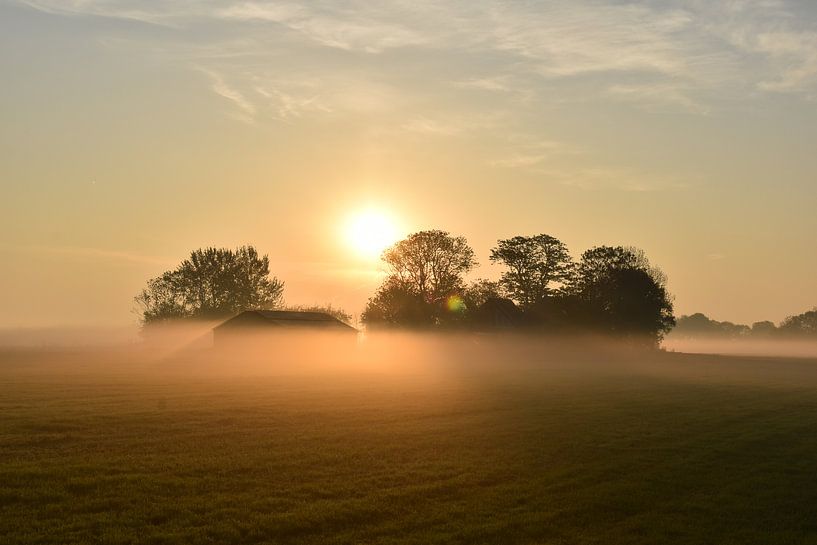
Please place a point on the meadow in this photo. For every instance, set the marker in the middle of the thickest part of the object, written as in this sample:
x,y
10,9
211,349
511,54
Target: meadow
x,y
424,444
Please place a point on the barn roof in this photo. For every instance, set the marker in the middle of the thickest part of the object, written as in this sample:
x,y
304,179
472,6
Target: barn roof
x,y
285,318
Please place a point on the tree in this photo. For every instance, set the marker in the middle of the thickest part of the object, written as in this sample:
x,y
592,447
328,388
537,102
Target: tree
x,y
479,291
764,328
396,304
211,283
597,262
425,273
699,325
533,263
624,293
801,325
630,302
431,263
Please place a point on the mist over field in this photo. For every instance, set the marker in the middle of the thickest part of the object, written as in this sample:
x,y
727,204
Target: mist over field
x,y
170,339
403,438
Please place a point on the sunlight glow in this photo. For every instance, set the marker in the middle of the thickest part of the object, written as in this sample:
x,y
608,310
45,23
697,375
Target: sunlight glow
x,y
369,232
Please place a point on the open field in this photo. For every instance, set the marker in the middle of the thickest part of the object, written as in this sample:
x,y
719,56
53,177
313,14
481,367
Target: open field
x,y
519,447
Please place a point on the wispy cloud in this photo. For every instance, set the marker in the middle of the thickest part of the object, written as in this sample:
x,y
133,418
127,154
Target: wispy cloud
x,y
496,83
349,29
290,104
441,69
617,178
528,151
424,125
799,51
660,96
155,15
546,160
678,46
246,109
571,38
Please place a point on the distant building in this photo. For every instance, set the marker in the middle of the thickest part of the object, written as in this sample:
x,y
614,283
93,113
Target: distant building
x,y
279,321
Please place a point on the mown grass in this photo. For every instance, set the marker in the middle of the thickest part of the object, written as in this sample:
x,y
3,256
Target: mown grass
x,y
677,450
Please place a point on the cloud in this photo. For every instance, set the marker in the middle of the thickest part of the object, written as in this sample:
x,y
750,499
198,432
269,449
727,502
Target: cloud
x,y
424,125
779,43
545,159
680,46
399,63
617,178
529,151
658,96
448,124
113,10
571,38
348,29
497,83
798,50
222,89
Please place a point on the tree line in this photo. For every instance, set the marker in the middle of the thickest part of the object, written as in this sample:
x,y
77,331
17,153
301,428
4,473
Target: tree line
x,y
610,289
699,325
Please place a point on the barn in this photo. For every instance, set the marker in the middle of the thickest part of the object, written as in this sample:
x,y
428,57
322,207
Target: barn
x,y
280,321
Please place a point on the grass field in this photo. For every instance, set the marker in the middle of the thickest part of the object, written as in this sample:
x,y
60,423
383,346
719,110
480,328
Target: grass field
x,y
97,447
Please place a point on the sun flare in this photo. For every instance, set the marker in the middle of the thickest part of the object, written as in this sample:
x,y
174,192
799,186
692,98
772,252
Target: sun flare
x,y
369,232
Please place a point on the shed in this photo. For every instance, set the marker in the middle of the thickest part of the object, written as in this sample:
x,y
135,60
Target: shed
x,y
280,321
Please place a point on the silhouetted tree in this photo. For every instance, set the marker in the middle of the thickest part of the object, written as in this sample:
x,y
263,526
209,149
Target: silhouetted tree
x,y
431,263
801,325
397,304
597,262
478,292
764,328
211,283
533,264
624,294
632,303
425,281
699,325
731,329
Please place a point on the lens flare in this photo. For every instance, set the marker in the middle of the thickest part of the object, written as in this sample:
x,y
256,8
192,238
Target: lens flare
x,y
455,304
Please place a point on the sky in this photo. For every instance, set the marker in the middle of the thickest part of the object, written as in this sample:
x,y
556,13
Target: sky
x,y
134,132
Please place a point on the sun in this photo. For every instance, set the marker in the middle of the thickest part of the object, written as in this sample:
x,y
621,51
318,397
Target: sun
x,y
369,232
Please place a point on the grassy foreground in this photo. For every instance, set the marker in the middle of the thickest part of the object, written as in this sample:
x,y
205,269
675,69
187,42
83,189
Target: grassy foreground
x,y
683,449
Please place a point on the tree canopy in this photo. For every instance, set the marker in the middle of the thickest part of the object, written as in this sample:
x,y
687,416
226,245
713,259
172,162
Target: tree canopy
x,y
430,263
624,293
801,325
211,283
532,264
425,280
396,304
699,325
612,290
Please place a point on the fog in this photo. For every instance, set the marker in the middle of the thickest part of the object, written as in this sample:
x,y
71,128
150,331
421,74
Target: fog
x,y
180,339
428,359
62,337
792,348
